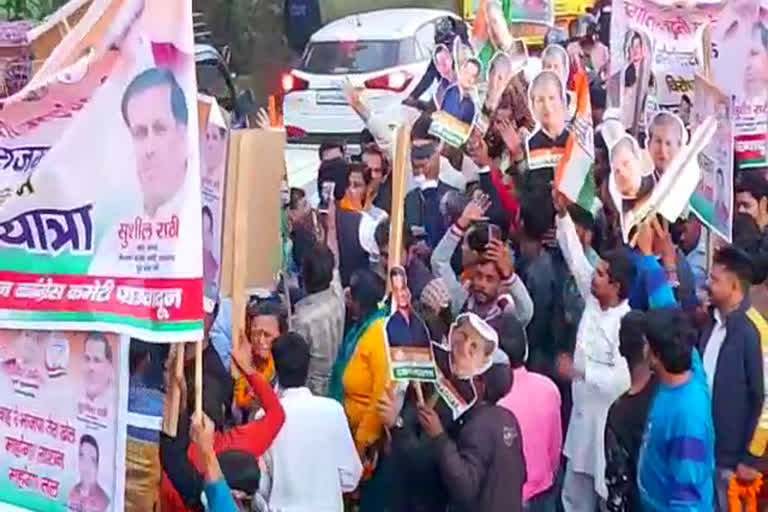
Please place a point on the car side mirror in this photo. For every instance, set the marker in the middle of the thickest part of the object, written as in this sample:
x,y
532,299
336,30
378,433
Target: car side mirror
x,y
244,103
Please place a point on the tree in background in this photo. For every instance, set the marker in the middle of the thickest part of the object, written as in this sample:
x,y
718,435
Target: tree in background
x,y
14,10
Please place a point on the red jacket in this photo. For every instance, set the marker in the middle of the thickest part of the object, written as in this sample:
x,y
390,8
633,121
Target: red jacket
x,y
254,438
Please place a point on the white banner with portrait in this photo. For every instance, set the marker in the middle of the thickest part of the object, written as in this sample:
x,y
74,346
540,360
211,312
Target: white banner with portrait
x,y
63,407
100,224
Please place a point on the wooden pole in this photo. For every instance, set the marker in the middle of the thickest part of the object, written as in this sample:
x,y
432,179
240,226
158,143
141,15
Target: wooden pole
x,y
252,217
240,244
171,405
707,49
397,220
199,377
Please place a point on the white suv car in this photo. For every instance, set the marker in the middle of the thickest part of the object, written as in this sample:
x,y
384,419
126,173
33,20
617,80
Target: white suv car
x,y
386,52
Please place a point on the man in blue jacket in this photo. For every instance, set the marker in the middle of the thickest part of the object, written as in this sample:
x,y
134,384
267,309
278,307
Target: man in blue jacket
x,y
733,362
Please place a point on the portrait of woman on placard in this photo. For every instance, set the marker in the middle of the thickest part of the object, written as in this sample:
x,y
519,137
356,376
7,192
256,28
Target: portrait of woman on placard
x,y
756,71
637,55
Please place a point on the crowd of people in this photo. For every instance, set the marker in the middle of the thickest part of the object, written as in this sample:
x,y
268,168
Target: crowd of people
x,y
619,377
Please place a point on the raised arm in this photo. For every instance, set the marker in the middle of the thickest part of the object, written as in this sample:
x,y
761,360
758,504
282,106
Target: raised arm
x,y
441,266
498,251
378,126
441,256
255,436
217,492
571,247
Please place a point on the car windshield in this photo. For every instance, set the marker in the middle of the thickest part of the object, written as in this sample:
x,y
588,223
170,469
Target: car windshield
x,y
342,57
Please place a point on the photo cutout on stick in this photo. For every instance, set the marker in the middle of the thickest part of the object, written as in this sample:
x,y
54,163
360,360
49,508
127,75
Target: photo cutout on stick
x,y
459,99
453,121
631,181
501,69
408,339
665,138
472,343
555,58
442,57
547,100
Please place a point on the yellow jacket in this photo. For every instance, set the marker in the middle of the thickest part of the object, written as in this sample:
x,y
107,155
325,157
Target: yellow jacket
x,y
365,380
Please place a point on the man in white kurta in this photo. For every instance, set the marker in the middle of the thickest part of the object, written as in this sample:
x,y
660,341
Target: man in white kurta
x,y
313,459
598,372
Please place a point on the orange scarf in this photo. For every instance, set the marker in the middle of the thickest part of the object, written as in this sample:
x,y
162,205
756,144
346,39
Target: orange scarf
x,y
347,204
243,392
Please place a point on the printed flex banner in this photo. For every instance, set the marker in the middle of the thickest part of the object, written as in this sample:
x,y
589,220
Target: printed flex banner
x,y
63,404
100,224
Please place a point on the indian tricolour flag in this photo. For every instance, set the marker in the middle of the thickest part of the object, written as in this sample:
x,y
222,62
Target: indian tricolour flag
x,y
574,175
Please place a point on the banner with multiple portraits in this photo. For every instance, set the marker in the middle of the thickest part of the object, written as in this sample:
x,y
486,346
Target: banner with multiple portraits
x,y
456,95
63,406
713,199
100,224
459,110
668,38
673,40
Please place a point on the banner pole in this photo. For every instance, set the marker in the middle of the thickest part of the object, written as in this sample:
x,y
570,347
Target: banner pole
x,y
240,249
402,142
173,395
199,378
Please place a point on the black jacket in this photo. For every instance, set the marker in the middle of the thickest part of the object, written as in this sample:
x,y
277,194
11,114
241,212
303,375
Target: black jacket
x,y
352,256
737,396
414,481
484,469
422,208
481,456
383,197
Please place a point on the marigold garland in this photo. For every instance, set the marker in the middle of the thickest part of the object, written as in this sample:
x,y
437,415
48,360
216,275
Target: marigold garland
x,y
243,393
739,494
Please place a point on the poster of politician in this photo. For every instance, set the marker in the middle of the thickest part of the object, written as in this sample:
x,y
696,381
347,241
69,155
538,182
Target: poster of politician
x,y
713,199
214,141
548,101
106,234
676,34
408,339
739,64
62,421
